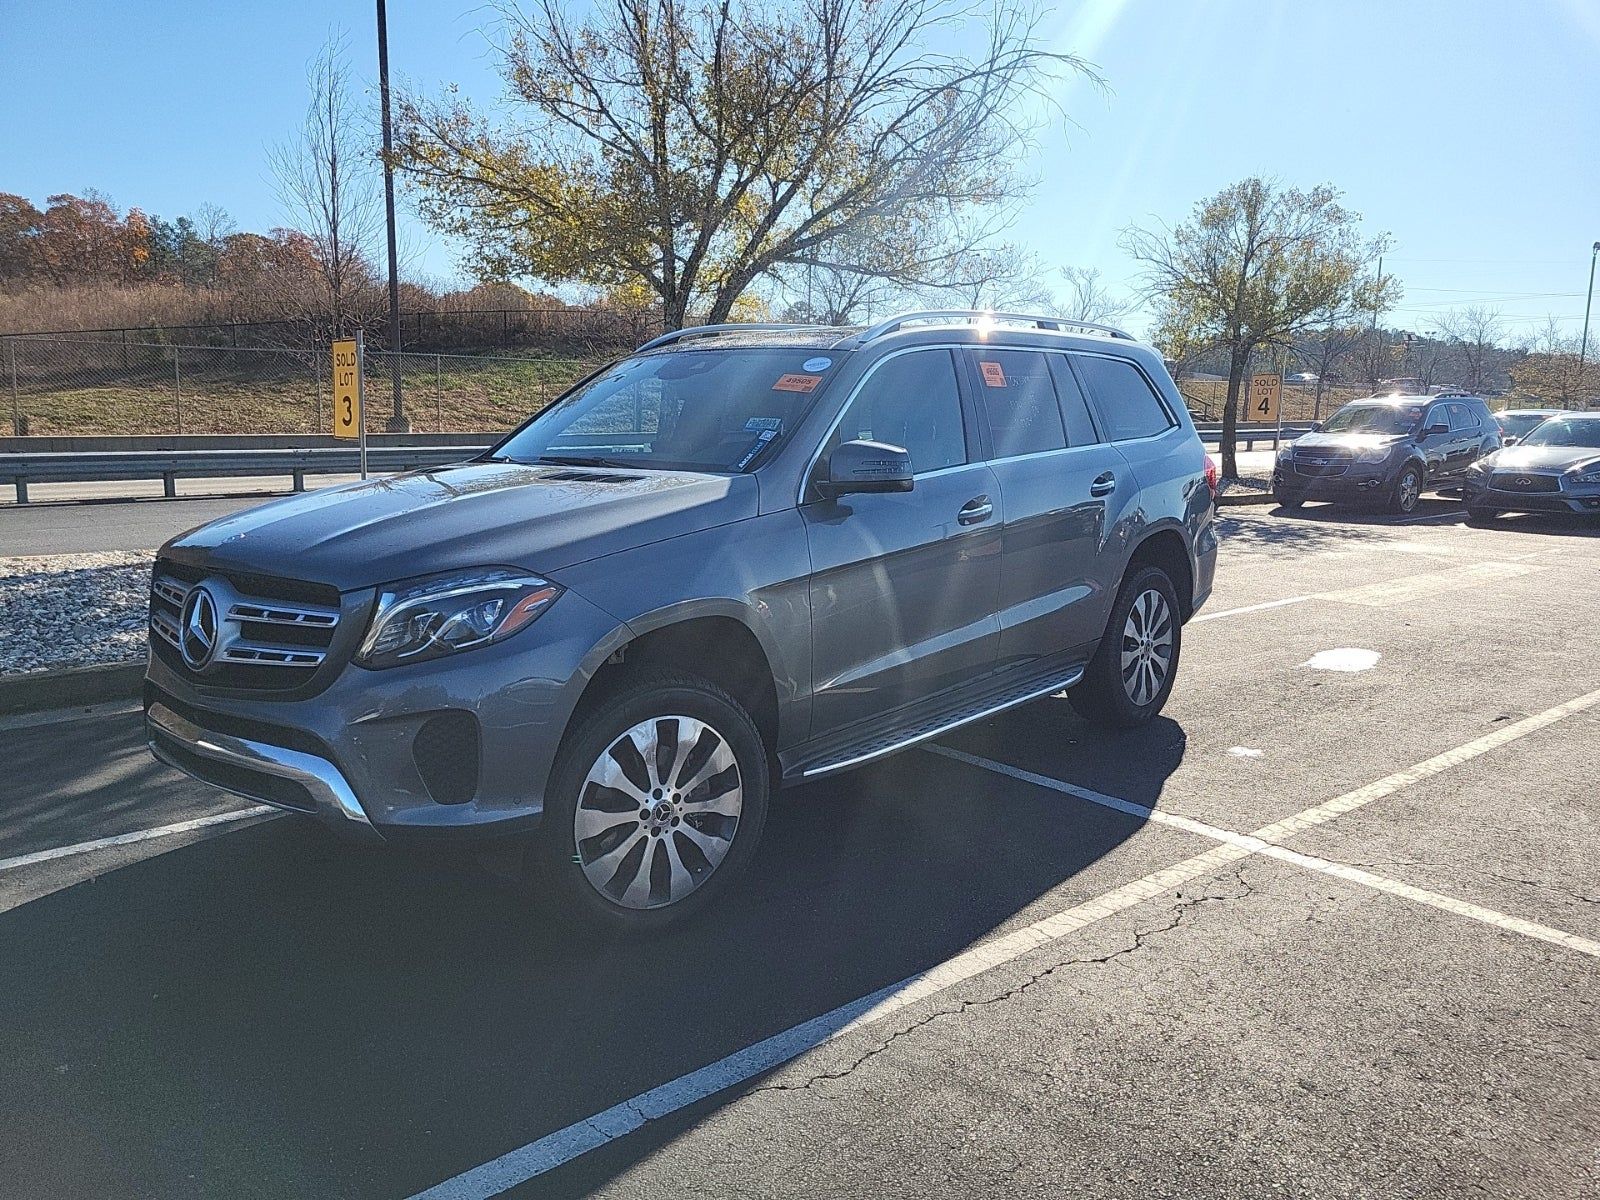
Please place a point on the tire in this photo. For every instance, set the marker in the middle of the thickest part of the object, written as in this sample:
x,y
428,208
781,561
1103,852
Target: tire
x,y
1106,695
1480,516
1288,500
1407,490
620,875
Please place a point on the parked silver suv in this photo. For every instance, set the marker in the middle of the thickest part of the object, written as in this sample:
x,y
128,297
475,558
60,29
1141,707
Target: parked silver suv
x,y
745,556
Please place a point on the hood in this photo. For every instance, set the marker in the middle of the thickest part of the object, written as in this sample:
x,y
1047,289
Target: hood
x,y
540,518
1542,458
1347,441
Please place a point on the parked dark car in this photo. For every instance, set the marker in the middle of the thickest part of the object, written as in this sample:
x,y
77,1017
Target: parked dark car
x,y
1555,469
1517,423
743,556
1386,450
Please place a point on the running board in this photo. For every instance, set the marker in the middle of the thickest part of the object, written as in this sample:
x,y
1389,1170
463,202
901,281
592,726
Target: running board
x,y
843,758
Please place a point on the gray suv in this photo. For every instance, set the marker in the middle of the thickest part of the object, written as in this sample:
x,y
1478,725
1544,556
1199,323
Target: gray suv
x,y
746,556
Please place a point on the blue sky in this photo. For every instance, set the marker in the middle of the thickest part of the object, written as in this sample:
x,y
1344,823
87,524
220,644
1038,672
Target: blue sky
x,y
1469,131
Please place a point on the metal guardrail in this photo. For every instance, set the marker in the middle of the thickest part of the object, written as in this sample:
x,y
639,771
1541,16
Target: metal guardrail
x,y
20,470
1211,431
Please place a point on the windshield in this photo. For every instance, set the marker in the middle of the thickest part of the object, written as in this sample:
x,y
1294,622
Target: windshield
x,y
1566,431
1519,424
697,410
1375,418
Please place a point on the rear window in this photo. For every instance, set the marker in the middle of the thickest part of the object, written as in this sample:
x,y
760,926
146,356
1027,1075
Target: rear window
x,y
1127,406
1019,398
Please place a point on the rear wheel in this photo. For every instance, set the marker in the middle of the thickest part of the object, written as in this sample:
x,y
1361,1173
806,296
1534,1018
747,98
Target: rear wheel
x,y
1131,675
655,806
1407,490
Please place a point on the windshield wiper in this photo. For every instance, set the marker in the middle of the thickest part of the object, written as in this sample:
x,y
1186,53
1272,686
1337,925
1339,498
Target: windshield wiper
x,y
578,460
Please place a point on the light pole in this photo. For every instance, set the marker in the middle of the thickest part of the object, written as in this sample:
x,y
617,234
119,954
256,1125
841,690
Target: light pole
x,y
1583,346
397,422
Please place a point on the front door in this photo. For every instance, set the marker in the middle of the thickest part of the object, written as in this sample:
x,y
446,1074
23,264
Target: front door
x,y
905,585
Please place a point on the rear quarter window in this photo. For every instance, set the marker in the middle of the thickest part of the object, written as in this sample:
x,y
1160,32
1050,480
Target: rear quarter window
x,y
1123,399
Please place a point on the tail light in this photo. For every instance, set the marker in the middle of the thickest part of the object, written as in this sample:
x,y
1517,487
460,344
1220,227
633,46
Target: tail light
x,y
1212,475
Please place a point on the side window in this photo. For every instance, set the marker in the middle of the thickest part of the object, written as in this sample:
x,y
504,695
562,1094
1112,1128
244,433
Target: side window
x,y
1461,418
1074,407
1019,398
1127,406
910,401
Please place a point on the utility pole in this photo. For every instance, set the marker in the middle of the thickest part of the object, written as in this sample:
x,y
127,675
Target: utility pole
x,y
1377,293
1583,346
397,422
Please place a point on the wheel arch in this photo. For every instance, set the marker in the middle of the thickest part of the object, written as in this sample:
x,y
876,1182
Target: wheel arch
x,y
1165,546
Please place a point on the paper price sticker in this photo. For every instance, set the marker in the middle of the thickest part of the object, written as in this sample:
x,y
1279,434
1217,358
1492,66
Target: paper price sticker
x,y
797,383
994,374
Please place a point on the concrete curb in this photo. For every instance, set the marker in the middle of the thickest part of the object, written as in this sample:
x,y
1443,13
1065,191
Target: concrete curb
x,y
67,687
1246,498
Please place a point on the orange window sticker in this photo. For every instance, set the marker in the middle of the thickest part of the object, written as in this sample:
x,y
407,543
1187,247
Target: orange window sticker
x,y
993,374
797,383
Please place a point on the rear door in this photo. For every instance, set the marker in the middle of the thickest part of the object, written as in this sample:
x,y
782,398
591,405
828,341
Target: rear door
x,y
905,585
1060,484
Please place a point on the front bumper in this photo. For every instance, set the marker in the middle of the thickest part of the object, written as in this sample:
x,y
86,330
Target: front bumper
x,y
1578,500
1368,480
349,755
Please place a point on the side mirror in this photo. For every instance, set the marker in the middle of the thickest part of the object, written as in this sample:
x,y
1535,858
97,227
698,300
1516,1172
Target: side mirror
x,y
1439,427
1316,427
1509,440
866,467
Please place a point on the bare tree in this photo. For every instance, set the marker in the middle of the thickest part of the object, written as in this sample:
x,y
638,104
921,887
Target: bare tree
x,y
692,150
1323,351
1087,299
328,183
1475,335
1550,369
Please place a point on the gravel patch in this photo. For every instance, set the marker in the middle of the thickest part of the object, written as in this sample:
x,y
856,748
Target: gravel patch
x,y
73,610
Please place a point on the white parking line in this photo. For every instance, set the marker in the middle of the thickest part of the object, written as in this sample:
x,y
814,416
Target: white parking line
x,y
556,1149
527,1162
1249,608
142,835
1257,843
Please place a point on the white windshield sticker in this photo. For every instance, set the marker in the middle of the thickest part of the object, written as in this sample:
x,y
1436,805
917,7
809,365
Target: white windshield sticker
x,y
816,364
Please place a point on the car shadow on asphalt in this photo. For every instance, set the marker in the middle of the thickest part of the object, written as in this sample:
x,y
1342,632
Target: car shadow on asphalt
x,y
274,1012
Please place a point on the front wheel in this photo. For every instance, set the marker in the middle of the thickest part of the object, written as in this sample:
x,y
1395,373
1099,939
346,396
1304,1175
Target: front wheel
x,y
655,805
1407,490
1479,515
1131,675
1288,500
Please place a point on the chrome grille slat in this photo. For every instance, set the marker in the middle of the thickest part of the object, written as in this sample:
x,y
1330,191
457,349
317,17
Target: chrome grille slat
x,y
170,590
276,656
166,625
285,614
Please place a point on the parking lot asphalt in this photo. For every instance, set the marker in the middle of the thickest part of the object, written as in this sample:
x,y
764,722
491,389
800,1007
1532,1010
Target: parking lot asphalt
x,y
1311,933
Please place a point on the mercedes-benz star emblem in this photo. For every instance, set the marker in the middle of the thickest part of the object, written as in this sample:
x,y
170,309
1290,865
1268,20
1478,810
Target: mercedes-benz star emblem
x,y
199,639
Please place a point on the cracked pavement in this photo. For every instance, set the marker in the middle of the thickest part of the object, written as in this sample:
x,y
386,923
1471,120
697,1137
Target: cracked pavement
x,y
263,1012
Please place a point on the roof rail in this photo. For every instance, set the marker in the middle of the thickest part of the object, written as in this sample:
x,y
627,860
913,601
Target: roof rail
x,y
699,331
978,316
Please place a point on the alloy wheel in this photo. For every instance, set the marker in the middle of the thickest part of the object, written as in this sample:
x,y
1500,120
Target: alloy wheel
x,y
658,812
1146,647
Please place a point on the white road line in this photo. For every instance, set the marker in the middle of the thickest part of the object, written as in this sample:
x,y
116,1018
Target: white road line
x,y
556,1149
1256,844
527,1162
142,835
1249,608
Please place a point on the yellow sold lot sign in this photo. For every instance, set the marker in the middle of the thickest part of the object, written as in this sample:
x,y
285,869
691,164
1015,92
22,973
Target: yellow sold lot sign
x,y
1265,398
347,422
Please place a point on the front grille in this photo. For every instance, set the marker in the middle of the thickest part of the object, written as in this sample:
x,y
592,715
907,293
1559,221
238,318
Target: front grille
x,y
1510,481
1321,463
248,631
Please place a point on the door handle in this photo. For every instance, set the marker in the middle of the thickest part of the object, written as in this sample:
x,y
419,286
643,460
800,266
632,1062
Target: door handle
x,y
1103,485
975,510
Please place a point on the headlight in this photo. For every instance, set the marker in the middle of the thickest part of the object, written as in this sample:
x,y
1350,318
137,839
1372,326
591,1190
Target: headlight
x,y
1373,454
420,619
1588,475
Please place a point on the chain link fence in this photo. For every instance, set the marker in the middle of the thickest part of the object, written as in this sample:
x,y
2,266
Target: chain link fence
x,y
60,386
